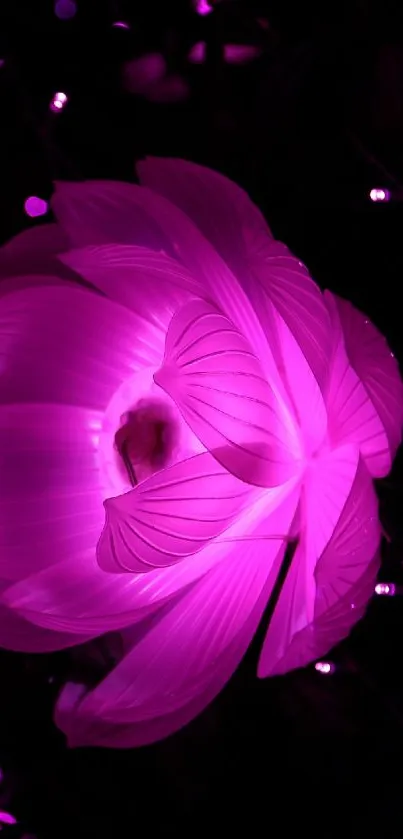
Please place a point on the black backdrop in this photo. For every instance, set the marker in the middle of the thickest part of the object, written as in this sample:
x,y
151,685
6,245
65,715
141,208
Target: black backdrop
x,y
308,129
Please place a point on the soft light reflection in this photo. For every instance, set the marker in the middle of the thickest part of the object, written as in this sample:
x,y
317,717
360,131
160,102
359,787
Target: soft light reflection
x,y
121,24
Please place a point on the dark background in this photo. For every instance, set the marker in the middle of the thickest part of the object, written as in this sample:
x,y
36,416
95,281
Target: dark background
x,y
308,129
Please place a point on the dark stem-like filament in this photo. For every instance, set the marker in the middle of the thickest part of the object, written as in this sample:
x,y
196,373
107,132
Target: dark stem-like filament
x,y
129,466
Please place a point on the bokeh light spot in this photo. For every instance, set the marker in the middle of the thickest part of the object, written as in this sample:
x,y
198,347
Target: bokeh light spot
x,y
58,102
385,589
203,7
65,9
378,194
35,206
325,667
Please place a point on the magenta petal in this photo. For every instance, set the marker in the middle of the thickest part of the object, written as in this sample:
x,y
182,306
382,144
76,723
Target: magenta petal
x,y
219,386
171,515
102,212
50,487
303,388
183,657
34,251
18,283
80,597
20,636
221,210
149,283
268,273
376,366
277,278
70,346
330,581
352,414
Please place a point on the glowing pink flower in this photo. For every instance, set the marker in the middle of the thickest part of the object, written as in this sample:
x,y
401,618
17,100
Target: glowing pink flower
x,y
251,409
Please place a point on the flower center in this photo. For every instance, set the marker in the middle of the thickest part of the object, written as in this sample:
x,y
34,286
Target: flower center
x,y
146,439
142,432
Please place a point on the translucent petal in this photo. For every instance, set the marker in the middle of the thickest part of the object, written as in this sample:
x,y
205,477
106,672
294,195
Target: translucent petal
x,y
221,210
34,251
184,655
149,283
70,346
376,366
18,283
101,212
171,515
278,279
303,388
50,488
352,414
268,273
21,636
219,386
80,597
330,580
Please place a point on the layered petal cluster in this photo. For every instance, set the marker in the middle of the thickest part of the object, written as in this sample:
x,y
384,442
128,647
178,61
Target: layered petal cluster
x,y
178,402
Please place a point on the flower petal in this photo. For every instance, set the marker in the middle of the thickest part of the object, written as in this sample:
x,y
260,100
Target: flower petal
x,y
80,597
171,515
376,366
277,278
352,417
331,579
268,272
304,390
20,636
100,212
34,251
221,210
149,283
20,282
50,487
213,376
70,346
184,655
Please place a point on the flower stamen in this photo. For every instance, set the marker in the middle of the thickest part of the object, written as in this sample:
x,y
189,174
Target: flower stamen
x,y
146,439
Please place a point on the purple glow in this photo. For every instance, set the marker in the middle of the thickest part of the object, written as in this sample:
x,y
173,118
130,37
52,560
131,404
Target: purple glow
x,y
141,74
379,195
386,589
6,818
121,24
197,53
172,89
325,667
203,7
65,9
58,102
35,207
240,53
177,431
